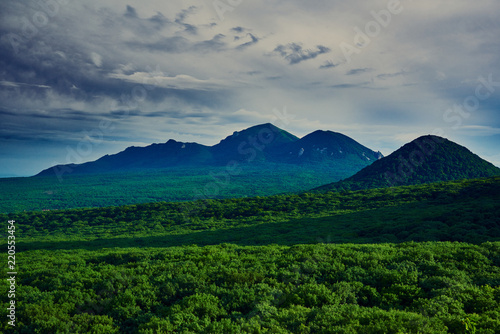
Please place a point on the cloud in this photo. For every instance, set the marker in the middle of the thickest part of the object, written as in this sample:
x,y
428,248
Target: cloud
x,y
181,17
385,76
254,40
178,82
350,85
328,64
131,12
201,75
179,44
294,53
96,59
356,71
21,84
238,29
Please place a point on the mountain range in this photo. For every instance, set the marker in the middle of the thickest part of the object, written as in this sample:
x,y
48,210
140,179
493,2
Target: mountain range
x,y
424,160
263,143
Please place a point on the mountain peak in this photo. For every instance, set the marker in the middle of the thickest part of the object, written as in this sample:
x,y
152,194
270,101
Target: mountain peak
x,y
426,159
259,143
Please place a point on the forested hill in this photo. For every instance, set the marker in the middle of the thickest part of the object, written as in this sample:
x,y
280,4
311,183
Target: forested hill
x,y
424,160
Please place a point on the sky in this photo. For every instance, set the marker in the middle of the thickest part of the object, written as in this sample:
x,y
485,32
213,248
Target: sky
x,y
81,79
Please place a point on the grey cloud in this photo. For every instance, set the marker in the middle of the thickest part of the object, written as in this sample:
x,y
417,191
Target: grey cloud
x,y
294,53
159,19
175,44
329,64
175,114
384,76
356,71
180,18
214,44
356,85
131,12
179,44
238,29
254,40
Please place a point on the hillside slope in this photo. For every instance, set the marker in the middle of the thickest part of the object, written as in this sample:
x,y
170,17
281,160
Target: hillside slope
x,y
424,160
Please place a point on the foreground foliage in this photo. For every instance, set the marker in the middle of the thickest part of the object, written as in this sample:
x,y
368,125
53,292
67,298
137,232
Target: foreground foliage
x,y
266,264
430,287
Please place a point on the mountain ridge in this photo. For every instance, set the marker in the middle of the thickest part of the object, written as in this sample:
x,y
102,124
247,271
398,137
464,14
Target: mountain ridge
x,y
260,143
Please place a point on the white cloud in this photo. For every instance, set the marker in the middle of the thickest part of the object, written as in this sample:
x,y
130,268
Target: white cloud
x,y
181,81
96,58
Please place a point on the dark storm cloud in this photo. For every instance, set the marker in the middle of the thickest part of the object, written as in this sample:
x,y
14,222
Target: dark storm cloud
x,y
50,65
294,53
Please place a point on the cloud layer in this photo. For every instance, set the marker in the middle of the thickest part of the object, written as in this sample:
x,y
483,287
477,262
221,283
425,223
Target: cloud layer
x,y
177,70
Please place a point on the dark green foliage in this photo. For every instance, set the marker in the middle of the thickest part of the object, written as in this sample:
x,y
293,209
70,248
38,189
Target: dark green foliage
x,y
407,288
170,184
426,159
279,264
466,211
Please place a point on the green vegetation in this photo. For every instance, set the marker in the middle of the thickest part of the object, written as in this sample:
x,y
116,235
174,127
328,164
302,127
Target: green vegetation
x,y
414,259
407,288
465,211
169,184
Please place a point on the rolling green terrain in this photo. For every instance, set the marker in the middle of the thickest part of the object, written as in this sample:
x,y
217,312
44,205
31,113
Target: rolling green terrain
x,y
413,259
169,184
